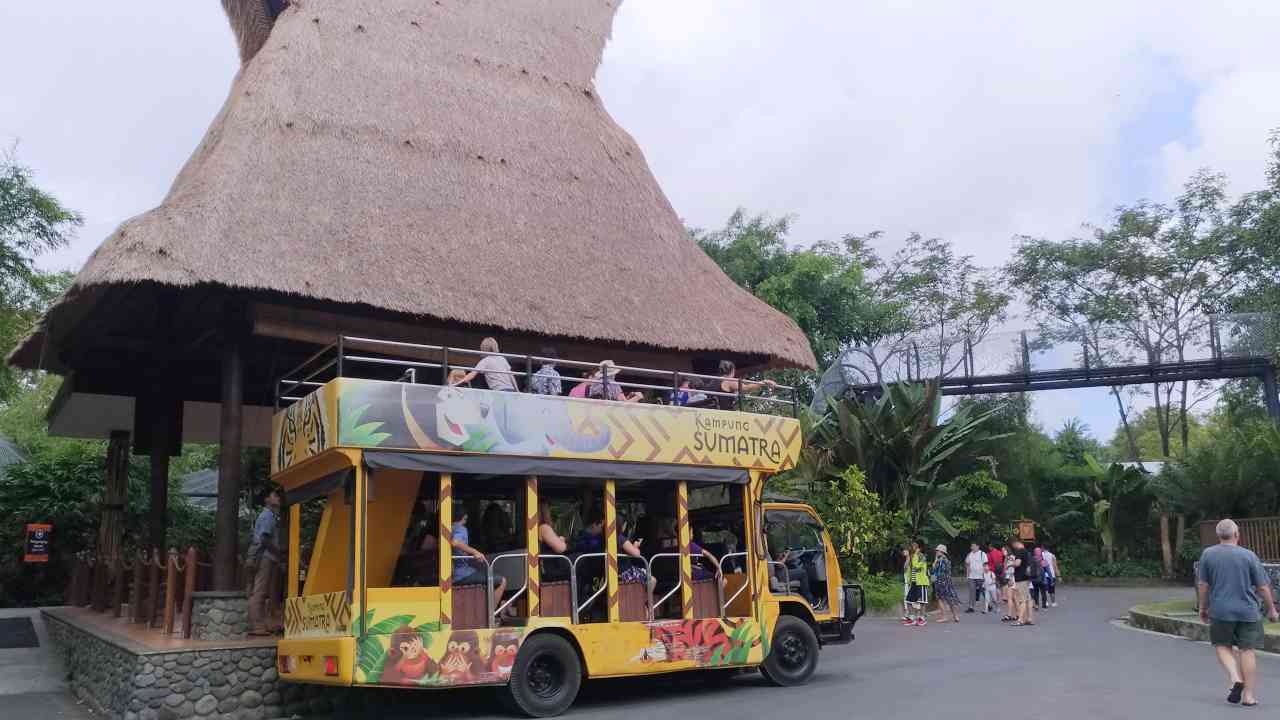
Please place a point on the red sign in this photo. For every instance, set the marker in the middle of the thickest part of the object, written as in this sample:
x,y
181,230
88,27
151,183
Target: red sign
x,y
38,535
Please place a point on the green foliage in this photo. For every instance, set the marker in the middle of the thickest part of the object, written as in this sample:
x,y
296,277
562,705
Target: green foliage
x,y
822,287
1146,430
852,516
1084,561
31,222
974,513
1100,499
1234,475
883,592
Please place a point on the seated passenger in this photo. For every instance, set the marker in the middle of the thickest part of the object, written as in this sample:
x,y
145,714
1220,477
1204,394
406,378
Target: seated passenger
x,y
791,571
472,572
551,542
547,380
729,383
600,387
495,529
629,570
700,570
495,368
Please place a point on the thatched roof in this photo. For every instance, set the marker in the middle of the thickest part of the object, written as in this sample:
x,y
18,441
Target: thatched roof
x,y
449,160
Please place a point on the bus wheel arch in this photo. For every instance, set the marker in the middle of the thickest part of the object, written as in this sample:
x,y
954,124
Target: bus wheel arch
x,y
793,652
798,610
547,675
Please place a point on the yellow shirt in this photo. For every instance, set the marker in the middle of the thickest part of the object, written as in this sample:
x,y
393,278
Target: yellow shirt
x,y
919,570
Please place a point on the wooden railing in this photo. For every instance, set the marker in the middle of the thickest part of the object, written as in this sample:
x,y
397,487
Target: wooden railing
x,y
1261,535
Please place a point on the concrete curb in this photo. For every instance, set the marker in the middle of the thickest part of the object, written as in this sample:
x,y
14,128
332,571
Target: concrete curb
x,y
1189,629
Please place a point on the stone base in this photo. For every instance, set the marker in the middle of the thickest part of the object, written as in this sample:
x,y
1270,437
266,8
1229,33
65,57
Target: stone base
x,y
121,682
1187,628
219,616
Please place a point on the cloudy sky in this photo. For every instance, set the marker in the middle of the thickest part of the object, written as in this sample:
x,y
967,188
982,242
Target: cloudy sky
x,y
971,121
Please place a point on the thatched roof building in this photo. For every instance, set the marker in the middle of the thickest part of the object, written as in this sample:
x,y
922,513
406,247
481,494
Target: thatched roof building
x,y
433,170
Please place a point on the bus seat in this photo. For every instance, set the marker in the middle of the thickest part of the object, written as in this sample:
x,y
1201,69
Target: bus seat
x,y
706,602
470,607
554,599
633,602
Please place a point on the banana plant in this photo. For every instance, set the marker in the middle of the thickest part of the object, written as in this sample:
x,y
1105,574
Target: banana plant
x,y
1105,488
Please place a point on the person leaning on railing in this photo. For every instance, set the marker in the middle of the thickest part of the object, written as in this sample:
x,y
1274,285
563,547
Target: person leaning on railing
x,y
729,383
495,368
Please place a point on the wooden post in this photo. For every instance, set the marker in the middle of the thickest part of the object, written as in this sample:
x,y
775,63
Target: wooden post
x,y
611,545
189,589
685,536
170,589
226,552
533,541
153,586
117,591
137,593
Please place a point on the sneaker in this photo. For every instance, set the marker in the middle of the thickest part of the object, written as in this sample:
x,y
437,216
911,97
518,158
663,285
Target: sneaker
x,y
921,622
908,622
970,610
1053,604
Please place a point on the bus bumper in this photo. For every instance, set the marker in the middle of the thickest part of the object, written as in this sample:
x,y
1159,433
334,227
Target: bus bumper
x,y
839,631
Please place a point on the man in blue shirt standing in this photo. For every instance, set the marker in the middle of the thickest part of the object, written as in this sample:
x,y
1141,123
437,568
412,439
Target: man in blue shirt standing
x,y
1231,579
263,560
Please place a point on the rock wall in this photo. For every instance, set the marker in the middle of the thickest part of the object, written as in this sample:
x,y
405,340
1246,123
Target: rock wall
x,y
219,616
230,684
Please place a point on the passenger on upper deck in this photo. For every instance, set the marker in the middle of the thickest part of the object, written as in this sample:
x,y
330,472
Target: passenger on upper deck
x,y
495,368
729,383
547,380
599,386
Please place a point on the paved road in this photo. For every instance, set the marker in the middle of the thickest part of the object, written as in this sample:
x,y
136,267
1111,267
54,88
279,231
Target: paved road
x,y
1075,665
32,681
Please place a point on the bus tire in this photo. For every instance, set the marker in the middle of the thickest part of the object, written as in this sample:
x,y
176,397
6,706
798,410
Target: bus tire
x,y
793,654
545,678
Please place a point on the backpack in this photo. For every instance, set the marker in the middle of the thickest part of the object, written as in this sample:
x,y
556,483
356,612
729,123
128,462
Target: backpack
x,y
1034,571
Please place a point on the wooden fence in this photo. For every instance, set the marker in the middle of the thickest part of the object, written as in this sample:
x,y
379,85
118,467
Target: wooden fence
x,y
1261,535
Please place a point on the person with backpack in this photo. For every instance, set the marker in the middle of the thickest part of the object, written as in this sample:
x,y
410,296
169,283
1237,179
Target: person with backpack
x,y
1026,569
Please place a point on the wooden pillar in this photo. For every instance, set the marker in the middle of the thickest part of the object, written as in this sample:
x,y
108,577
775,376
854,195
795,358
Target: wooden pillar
x,y
611,547
115,492
446,549
226,551
158,516
685,536
533,541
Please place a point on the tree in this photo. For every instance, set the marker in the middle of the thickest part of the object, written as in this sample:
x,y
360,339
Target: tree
x,y
1146,436
822,288
1106,488
31,222
1074,442
1140,290
860,531
974,513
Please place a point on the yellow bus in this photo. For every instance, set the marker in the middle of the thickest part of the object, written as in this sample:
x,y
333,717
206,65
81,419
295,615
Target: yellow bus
x,y
443,536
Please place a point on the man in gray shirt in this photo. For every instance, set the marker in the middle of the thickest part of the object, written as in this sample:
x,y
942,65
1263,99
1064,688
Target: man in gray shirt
x,y
1230,580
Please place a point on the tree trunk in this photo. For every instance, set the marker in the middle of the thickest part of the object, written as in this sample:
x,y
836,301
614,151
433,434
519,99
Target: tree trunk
x,y
1124,422
1162,421
1166,547
1182,418
1182,531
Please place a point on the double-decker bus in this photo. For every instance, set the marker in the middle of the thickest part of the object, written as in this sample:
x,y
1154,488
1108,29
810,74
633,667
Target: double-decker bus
x,y
444,536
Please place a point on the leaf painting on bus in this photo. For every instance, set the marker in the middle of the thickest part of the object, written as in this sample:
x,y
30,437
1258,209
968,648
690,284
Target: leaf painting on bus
x,y
395,652
706,642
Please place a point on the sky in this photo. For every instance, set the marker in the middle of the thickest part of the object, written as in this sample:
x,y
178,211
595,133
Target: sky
x,y
973,121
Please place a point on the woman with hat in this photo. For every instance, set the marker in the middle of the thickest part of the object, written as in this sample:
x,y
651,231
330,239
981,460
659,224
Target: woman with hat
x,y
945,591
600,387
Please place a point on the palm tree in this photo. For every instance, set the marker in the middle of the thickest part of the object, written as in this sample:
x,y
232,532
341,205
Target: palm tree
x,y
1104,489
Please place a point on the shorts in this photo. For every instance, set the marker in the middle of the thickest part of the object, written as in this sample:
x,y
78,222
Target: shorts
x,y
472,576
1244,635
918,594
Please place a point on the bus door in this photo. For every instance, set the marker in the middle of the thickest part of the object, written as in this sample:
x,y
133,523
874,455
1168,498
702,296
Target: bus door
x,y
800,562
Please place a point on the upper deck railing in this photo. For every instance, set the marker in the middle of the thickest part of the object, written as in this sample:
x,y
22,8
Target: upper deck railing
x,y
376,359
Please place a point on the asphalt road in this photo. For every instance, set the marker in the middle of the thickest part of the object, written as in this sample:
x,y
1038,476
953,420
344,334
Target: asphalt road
x,y
1075,665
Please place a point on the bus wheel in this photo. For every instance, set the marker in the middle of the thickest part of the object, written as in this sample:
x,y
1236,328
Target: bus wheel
x,y
545,678
793,655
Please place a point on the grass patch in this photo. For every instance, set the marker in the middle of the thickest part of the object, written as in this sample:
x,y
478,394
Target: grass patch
x,y
1182,608
884,592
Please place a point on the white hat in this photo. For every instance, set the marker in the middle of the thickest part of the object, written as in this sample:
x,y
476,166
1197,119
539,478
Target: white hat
x,y
942,549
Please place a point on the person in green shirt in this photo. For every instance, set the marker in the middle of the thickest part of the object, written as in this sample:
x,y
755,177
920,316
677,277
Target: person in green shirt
x,y
917,573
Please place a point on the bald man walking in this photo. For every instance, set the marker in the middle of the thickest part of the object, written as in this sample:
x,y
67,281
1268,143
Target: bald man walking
x,y
1230,581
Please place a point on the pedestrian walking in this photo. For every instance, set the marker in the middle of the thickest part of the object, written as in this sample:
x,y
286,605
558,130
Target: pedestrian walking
x,y
906,586
975,566
1230,581
1011,610
918,592
1025,570
262,561
943,588
1051,582
1039,596
991,590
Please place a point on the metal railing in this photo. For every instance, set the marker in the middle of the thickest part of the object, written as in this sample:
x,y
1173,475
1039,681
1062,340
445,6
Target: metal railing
x,y
670,386
573,575
654,604
514,596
